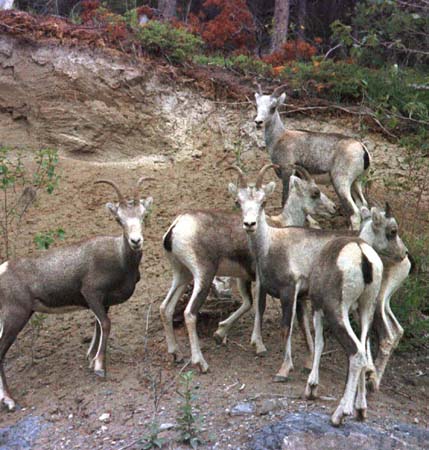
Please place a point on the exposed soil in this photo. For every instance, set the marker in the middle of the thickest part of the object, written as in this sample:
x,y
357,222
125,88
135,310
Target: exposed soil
x,y
58,387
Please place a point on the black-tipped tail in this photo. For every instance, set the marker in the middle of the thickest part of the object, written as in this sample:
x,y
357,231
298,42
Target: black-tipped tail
x,y
366,158
168,240
366,269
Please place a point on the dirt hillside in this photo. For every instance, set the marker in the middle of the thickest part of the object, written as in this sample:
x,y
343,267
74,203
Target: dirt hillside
x,y
118,118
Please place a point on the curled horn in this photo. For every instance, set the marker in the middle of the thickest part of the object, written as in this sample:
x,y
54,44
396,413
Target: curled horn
x,y
388,210
136,189
121,198
302,172
279,91
262,173
241,177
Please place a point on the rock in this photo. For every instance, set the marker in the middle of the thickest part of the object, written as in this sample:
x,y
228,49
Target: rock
x,y
270,405
166,426
242,409
21,435
302,431
105,417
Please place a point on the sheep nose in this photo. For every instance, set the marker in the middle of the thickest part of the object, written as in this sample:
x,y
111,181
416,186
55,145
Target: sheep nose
x,y
136,242
249,225
258,123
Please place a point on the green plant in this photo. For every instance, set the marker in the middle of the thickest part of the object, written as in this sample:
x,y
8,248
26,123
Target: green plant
x,y
152,439
243,64
188,418
19,186
175,44
44,240
411,303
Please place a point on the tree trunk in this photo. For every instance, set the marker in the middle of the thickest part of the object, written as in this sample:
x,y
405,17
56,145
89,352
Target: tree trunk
x,y
302,14
281,23
167,8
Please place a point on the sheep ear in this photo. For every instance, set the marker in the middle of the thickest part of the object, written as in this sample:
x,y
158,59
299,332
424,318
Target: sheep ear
x,y
112,208
295,183
281,99
269,188
147,203
365,213
232,189
377,218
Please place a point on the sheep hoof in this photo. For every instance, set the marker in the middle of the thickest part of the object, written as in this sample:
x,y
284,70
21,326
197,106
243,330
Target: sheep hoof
x,y
218,338
100,373
361,414
280,379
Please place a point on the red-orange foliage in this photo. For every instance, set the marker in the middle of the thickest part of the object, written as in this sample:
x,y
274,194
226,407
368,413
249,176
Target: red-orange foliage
x,y
231,28
291,51
145,10
89,8
93,13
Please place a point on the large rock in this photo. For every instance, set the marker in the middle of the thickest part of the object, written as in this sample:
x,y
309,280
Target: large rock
x,y
21,435
309,431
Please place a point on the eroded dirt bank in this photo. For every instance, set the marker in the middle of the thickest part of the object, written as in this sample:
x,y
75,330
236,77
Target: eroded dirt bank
x,y
116,119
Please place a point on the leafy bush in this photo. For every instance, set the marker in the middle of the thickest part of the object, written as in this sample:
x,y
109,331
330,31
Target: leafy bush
x,y
385,30
225,25
392,93
411,303
291,51
245,65
162,39
19,187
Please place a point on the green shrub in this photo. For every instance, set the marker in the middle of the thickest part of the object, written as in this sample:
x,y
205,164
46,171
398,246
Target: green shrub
x,y
243,64
162,39
390,92
411,303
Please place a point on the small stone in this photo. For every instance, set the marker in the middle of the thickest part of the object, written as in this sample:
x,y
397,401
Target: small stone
x,y
269,405
241,409
166,426
105,417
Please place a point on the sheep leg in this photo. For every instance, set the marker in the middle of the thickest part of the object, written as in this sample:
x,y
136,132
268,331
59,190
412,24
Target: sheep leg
x,y
342,187
245,288
166,310
93,346
95,302
202,285
288,300
366,317
303,314
95,342
357,362
260,303
11,323
313,379
357,194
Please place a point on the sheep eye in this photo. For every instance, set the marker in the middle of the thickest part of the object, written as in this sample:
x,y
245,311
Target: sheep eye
x,y
272,109
315,194
392,234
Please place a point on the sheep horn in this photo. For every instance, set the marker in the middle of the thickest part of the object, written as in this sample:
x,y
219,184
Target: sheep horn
x,y
121,198
241,177
261,174
388,211
136,189
279,91
302,172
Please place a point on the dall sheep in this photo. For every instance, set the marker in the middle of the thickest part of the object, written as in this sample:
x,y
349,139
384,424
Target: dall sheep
x,y
341,157
95,274
203,243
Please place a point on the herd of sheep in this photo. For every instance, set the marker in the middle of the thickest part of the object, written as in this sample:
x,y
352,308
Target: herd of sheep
x,y
326,274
